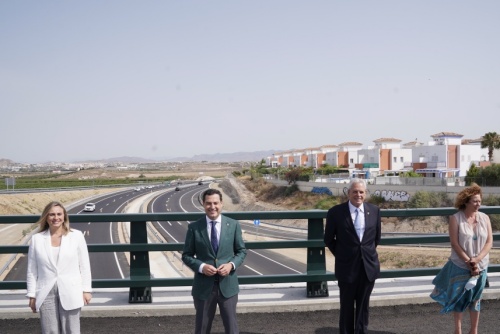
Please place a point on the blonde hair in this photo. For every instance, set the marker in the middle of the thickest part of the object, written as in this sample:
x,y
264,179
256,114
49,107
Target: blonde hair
x,y
43,218
464,196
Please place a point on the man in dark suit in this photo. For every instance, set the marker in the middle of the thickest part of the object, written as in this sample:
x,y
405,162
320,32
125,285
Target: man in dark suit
x,y
213,249
352,233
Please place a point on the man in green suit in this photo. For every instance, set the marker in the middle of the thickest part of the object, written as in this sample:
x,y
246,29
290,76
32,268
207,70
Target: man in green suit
x,y
213,249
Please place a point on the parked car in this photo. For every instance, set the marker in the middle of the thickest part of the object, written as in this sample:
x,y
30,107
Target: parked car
x,y
177,188
89,207
200,183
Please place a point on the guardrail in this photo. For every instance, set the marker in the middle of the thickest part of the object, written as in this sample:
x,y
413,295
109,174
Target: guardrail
x,y
316,276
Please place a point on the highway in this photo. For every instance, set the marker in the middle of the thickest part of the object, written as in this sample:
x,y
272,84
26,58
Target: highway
x,y
257,262
108,265
103,265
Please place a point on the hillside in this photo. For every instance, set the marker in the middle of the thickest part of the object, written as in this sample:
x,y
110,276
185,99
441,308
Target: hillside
x,y
248,195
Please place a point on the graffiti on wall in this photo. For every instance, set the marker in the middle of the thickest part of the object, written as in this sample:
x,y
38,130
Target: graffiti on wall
x,y
321,190
390,195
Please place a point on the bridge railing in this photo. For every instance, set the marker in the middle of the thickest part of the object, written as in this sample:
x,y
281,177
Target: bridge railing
x,y
316,276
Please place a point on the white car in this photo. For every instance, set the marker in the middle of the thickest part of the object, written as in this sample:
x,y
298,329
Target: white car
x,y
89,207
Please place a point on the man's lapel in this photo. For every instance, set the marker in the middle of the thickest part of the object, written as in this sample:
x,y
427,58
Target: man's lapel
x,y
224,230
368,216
348,218
204,234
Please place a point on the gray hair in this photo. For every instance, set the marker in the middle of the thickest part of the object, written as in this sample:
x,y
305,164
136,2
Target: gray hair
x,y
356,180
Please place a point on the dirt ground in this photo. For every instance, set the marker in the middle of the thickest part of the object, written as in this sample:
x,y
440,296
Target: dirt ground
x,y
33,203
182,170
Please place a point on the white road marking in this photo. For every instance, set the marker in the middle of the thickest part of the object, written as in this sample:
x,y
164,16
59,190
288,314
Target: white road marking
x,y
116,256
6,228
171,236
255,271
281,264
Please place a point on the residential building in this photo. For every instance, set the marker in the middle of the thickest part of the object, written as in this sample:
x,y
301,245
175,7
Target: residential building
x,y
446,155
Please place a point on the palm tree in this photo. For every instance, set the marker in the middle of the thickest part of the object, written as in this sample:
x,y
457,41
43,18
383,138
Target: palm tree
x,y
490,140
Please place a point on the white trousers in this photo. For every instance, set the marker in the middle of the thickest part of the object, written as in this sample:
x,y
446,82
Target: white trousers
x,y
55,319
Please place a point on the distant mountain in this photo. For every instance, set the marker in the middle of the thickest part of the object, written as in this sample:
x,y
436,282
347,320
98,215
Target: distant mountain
x,y
125,159
6,162
217,157
227,157
129,160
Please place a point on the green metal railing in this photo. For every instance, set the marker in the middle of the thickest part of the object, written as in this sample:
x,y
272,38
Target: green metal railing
x,y
316,276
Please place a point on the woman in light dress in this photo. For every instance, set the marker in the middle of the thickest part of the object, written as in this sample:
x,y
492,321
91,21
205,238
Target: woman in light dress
x,y
459,285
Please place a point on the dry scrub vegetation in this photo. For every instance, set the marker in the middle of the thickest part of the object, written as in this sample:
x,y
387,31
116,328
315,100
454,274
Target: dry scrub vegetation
x,y
391,257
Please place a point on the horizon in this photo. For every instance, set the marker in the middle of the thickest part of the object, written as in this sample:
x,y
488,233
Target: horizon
x,y
152,160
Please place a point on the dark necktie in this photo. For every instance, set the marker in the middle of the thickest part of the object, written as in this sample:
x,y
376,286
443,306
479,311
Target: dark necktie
x,y
213,237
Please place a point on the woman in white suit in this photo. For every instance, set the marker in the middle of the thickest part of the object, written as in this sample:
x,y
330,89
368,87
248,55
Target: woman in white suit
x,y
58,277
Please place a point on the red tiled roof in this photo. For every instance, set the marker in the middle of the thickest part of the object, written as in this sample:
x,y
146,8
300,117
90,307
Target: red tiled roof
x,y
471,141
413,143
387,140
447,134
350,143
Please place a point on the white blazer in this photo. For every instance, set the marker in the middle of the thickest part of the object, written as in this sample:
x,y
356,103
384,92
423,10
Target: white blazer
x,y
71,272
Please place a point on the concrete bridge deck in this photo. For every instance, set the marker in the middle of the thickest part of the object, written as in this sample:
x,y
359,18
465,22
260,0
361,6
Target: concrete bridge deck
x,y
398,305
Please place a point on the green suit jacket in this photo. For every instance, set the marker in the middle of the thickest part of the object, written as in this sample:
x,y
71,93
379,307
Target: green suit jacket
x,y
198,250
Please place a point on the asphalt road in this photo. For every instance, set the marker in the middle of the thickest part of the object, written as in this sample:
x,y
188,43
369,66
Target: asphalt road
x,y
257,262
383,320
104,265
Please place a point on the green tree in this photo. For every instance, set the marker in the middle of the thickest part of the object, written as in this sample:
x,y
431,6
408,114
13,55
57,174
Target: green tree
x,y
490,175
472,174
298,174
256,170
326,169
490,140
410,173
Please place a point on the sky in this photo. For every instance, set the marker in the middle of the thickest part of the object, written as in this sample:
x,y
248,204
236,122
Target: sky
x,y
84,80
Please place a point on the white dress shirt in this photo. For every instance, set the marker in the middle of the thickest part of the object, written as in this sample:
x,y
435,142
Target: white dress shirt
x,y
361,218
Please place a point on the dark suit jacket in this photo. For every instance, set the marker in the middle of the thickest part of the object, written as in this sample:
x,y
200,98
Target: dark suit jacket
x,y
198,250
342,240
